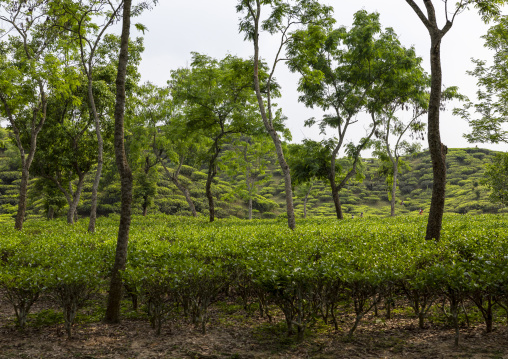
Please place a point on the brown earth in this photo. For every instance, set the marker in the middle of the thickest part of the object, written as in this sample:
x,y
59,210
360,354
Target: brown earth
x,y
232,333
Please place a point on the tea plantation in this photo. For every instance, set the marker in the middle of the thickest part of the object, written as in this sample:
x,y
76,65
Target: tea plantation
x,y
178,267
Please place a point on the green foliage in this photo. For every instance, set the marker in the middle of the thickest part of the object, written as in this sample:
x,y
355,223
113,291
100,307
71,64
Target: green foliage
x,y
496,178
180,266
492,93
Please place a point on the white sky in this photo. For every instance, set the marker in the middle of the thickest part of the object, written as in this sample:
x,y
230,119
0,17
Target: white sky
x,y
211,27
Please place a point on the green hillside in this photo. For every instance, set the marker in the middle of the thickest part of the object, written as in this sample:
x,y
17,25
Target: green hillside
x,y
465,194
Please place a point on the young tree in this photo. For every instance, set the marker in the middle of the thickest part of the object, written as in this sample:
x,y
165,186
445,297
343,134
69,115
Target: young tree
x,y
29,70
492,93
246,162
309,161
394,127
487,9
349,72
79,24
284,16
215,99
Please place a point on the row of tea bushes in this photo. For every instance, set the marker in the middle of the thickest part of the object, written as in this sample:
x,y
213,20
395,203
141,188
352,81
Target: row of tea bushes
x,y
180,266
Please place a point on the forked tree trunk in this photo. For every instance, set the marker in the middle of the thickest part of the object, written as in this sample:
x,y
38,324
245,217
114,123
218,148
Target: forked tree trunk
x,y
115,289
181,187
266,115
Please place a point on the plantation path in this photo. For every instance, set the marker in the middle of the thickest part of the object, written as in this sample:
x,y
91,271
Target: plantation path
x,y
232,335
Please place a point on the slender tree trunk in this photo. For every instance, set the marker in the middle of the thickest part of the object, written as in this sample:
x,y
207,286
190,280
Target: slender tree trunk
x,y
394,186
269,126
336,198
26,161
187,196
145,206
305,202
250,208
51,212
208,189
73,205
98,172
436,148
23,189
115,290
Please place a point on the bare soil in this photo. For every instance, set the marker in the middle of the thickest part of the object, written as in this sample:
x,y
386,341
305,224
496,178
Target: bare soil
x,y
233,333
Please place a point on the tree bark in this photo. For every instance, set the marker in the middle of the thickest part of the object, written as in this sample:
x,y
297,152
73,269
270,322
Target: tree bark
x,y
26,161
436,148
250,208
211,174
23,189
115,290
394,186
336,198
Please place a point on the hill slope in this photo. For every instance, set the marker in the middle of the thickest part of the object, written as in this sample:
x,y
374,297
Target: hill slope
x,y
465,194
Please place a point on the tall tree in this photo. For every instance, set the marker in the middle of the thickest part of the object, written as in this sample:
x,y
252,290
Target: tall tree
x,y
115,289
487,9
362,69
29,69
79,16
67,148
216,100
283,16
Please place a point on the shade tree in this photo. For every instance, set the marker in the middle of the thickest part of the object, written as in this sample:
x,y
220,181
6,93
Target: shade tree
x,y
30,69
214,98
81,21
353,73
487,9
282,18
67,148
396,125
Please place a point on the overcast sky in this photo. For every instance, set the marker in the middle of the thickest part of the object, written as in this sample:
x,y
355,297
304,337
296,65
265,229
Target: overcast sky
x,y
211,27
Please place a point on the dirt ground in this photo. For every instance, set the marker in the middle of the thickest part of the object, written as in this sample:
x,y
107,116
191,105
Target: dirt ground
x,y
231,333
